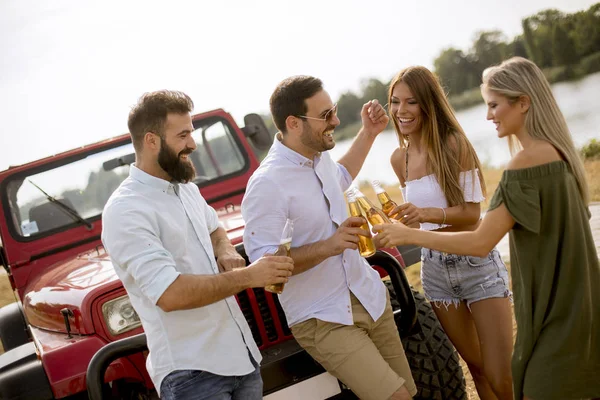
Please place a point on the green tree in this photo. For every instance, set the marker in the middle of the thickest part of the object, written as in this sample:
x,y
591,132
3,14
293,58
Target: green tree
x,y
550,38
349,106
563,48
489,48
542,25
516,48
591,150
585,30
374,89
533,52
455,70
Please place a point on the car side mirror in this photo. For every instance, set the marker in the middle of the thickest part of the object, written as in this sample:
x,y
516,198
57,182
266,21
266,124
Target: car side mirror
x,y
127,159
257,133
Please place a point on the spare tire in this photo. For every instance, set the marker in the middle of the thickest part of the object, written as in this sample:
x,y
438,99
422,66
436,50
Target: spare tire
x,y
433,360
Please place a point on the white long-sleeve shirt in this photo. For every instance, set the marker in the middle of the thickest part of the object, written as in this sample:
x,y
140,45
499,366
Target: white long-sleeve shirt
x,y
309,192
154,231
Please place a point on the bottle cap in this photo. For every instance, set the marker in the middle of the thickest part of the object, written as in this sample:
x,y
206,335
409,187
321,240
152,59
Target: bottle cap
x,y
357,192
377,186
350,195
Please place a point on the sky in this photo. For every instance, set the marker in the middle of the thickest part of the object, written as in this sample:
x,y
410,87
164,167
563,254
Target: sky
x,y
70,70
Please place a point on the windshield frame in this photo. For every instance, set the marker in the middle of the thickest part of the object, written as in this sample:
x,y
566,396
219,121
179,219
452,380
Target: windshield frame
x,y
22,175
241,148
95,149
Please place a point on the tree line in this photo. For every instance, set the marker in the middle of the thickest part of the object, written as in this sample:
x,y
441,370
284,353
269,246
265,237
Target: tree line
x,y
565,46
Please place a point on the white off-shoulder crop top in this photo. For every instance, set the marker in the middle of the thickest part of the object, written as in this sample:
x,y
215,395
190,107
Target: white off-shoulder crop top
x,y
426,192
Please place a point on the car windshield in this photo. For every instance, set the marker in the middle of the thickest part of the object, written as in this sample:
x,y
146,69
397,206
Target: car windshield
x,y
57,197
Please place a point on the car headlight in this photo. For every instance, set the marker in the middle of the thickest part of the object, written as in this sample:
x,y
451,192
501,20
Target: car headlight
x,y
120,316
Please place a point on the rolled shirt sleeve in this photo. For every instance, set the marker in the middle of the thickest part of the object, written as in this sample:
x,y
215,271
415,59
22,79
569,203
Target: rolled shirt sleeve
x,y
264,220
344,177
131,241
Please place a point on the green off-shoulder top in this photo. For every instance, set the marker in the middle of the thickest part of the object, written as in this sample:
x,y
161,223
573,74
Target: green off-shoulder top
x,y
556,284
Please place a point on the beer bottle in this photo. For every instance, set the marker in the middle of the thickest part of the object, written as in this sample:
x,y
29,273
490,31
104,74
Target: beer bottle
x,y
285,245
387,204
366,248
373,214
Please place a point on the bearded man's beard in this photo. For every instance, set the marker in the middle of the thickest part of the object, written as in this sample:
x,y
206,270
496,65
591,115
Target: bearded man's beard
x,y
314,139
179,170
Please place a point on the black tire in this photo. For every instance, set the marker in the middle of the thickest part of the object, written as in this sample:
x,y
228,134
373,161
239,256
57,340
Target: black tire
x,y
433,360
13,330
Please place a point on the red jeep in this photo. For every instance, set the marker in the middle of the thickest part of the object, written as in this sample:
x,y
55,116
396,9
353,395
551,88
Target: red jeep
x,y
72,333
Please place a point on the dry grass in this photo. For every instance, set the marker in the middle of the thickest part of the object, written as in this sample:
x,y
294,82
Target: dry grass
x,y
492,177
6,293
413,274
592,172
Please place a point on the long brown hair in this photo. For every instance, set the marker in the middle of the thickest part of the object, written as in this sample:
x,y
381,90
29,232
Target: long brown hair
x,y
518,77
439,128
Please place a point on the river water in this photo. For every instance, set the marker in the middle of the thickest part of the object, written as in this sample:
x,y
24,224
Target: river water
x,y
579,102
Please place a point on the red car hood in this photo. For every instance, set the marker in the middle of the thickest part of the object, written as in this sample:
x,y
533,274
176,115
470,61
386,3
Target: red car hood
x,y
76,283
233,223
73,285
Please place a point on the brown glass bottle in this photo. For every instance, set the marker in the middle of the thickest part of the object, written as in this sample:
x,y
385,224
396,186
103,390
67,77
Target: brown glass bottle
x,y
373,214
366,248
387,204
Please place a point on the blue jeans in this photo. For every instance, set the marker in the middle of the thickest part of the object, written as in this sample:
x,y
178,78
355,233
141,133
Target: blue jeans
x,y
190,384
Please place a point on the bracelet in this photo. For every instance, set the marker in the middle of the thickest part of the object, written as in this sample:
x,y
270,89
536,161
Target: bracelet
x,y
443,220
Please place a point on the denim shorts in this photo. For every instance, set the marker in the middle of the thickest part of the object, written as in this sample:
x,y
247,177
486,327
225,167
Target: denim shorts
x,y
451,279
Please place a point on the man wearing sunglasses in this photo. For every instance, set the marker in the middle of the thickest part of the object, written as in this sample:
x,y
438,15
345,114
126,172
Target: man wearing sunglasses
x,y
335,303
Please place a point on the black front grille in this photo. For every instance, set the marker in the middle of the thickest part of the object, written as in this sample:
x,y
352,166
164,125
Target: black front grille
x,y
265,314
262,315
246,307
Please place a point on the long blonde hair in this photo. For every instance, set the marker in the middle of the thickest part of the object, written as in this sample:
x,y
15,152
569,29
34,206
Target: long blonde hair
x,y
439,124
518,77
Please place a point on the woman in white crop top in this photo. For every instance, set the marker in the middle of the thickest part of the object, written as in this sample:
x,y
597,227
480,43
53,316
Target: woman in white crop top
x,y
443,188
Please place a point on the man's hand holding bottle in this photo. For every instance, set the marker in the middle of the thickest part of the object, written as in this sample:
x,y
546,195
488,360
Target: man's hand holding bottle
x,y
269,270
346,236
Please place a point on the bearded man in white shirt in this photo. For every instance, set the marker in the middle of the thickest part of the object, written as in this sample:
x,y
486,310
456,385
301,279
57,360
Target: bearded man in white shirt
x,y
163,238
336,305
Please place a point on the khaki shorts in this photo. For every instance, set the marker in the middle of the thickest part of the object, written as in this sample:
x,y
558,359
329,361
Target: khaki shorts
x,y
368,356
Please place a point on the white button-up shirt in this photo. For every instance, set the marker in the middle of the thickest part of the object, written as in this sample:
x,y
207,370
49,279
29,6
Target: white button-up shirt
x,y
309,192
154,231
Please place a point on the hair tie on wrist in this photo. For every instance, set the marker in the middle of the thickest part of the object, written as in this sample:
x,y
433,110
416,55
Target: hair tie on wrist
x,y
443,220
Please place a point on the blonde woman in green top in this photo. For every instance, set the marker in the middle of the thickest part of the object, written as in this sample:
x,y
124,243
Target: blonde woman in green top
x,y
542,200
